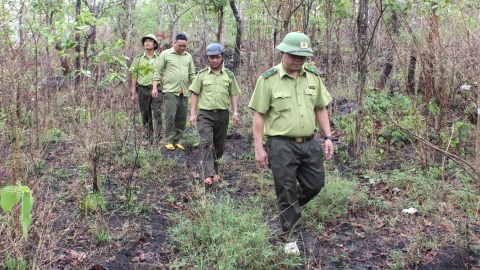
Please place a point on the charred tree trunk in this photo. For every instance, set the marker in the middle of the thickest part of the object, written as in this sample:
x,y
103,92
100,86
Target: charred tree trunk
x,y
238,38
411,72
390,53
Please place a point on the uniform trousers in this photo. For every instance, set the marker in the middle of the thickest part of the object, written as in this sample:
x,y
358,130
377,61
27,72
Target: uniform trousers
x,y
151,111
176,109
290,162
212,129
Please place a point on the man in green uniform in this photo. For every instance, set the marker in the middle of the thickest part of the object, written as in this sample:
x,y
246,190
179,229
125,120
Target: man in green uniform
x,y
145,91
177,71
287,101
211,90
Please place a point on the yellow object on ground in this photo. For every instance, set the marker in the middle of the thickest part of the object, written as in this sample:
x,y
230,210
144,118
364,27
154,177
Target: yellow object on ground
x,y
179,146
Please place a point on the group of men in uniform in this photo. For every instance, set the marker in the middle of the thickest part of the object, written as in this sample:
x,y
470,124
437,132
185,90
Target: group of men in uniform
x,y
287,102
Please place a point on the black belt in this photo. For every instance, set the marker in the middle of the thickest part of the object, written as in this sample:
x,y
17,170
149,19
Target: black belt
x,y
146,86
214,111
292,139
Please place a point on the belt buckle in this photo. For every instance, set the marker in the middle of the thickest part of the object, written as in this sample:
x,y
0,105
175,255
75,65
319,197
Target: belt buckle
x,y
214,111
299,140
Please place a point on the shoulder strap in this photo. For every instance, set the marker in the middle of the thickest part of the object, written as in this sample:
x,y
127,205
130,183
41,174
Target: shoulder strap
x,y
269,73
230,73
312,70
203,70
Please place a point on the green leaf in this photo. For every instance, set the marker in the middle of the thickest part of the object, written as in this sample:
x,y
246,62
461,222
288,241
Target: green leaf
x,y
9,197
82,27
12,263
26,218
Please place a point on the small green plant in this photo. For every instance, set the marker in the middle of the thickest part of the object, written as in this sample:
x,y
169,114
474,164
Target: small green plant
x,y
53,135
102,238
398,260
93,202
40,166
14,263
10,195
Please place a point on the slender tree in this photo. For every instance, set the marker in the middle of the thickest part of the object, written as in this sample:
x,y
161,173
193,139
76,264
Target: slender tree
x,y
361,51
238,37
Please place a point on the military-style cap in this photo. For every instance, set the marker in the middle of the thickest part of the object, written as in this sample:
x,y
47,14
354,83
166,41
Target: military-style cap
x,y
152,37
214,49
296,43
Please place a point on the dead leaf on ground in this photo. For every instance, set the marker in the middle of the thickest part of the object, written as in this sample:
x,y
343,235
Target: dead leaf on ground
x,y
174,206
380,225
74,255
447,228
427,223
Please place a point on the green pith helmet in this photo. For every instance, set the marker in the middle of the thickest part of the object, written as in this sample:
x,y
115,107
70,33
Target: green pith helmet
x,y
296,43
152,37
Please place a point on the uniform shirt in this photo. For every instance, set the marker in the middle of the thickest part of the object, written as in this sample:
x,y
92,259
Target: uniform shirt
x,y
177,71
143,69
288,104
214,90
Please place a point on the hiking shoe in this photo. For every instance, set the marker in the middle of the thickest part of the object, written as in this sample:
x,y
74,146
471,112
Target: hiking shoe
x,y
179,146
170,147
292,248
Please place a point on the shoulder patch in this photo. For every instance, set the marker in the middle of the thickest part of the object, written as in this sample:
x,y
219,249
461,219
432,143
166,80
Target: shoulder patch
x,y
203,70
269,72
230,73
312,70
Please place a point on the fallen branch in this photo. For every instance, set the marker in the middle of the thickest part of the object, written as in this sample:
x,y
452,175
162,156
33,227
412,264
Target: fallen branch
x,y
458,160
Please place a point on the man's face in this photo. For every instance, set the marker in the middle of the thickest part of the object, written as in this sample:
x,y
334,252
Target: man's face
x,y
215,61
179,46
148,44
292,63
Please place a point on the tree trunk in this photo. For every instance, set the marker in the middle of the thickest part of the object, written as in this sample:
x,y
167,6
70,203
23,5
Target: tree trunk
x,y
238,38
78,49
411,72
361,50
20,22
390,54
203,37
220,24
328,15
430,59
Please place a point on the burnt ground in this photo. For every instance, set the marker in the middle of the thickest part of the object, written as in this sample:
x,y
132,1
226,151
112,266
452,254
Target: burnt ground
x,y
139,235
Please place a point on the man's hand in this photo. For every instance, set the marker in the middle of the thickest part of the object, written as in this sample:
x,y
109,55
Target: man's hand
x,y
154,92
328,150
235,119
134,96
261,158
193,120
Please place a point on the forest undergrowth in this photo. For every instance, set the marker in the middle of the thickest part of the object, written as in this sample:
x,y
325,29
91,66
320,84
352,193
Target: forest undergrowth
x,y
103,200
